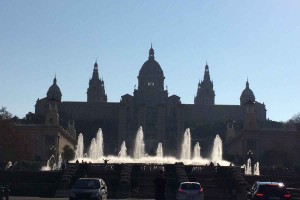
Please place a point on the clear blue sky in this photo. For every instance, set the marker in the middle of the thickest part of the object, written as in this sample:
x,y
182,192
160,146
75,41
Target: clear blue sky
x,y
258,40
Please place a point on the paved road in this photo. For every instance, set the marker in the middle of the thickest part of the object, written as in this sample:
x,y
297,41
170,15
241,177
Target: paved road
x,y
40,198
34,198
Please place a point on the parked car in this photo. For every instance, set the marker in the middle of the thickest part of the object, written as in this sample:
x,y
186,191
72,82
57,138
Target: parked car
x,y
190,190
89,188
268,191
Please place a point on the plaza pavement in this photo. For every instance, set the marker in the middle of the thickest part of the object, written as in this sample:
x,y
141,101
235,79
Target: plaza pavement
x,y
40,198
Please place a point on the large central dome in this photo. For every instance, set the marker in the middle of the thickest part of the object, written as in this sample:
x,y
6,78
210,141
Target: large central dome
x,y
151,75
151,67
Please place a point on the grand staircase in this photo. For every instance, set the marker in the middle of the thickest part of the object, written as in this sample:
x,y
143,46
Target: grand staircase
x,y
136,180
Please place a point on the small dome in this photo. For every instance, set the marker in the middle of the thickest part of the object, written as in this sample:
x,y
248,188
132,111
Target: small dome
x,y
247,95
54,92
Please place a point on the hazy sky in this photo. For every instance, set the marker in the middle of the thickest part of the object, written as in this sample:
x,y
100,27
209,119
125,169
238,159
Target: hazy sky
x,y
258,40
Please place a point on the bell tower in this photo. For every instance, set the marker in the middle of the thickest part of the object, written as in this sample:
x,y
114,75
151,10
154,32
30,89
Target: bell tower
x,y
96,91
205,92
250,117
52,117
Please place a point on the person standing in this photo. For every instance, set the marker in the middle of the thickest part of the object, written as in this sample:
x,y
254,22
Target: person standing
x,y
160,186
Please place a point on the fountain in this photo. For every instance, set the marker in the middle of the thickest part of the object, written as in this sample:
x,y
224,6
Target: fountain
x,y
47,167
51,164
123,151
96,148
256,171
248,168
79,147
59,164
197,150
139,148
159,151
217,151
186,145
96,154
92,151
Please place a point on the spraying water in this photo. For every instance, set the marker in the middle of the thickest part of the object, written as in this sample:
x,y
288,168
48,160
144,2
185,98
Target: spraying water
x,y
47,167
197,150
186,145
248,169
59,161
79,147
140,156
217,151
159,151
93,150
99,144
139,148
123,151
96,148
256,171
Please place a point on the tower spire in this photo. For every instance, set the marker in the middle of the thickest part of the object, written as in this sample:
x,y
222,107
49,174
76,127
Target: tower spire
x,y
151,53
95,71
54,80
96,91
205,92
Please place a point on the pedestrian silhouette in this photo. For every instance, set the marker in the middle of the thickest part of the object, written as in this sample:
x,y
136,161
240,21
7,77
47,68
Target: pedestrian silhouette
x,y
105,161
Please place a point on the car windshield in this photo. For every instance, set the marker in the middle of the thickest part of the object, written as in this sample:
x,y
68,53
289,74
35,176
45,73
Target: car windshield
x,y
190,186
272,190
87,184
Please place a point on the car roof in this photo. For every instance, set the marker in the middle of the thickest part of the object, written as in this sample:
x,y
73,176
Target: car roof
x,y
90,179
190,182
269,183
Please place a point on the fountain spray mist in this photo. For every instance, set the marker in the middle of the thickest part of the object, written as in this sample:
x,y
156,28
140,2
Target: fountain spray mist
x,y
186,145
159,151
123,151
139,148
197,150
217,151
79,147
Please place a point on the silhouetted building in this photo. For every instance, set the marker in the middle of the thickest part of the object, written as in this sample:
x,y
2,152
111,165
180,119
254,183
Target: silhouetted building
x,y
49,138
163,118
271,145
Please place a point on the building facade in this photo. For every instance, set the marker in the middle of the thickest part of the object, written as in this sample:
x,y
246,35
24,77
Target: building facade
x,y
163,118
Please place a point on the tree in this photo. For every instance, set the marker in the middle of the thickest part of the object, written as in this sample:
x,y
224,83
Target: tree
x,y
13,145
4,114
68,153
295,119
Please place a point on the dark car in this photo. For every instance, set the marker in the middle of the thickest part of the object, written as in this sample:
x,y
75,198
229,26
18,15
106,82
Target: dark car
x,y
268,191
89,188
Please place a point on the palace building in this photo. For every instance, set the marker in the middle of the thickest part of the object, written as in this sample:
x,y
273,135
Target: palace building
x,y
163,117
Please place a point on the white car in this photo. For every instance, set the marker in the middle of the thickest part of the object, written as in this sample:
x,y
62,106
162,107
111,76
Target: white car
x,y
190,190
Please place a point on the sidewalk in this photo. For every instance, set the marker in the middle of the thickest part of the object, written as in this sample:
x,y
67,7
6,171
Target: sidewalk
x,y
40,198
